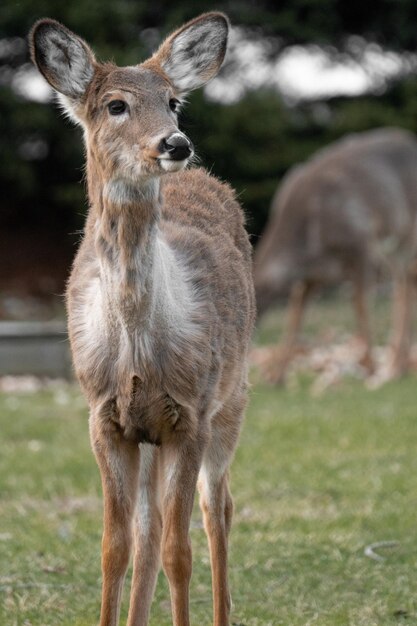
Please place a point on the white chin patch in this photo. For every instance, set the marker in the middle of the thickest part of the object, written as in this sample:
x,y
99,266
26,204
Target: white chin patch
x,y
172,166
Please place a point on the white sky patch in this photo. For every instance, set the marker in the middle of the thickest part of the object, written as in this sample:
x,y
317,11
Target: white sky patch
x,y
31,85
305,72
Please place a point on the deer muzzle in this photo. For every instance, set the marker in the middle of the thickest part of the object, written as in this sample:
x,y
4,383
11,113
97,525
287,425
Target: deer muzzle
x,y
176,147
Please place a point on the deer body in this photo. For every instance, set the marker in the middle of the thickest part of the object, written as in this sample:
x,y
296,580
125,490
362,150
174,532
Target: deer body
x,y
349,209
153,293
161,309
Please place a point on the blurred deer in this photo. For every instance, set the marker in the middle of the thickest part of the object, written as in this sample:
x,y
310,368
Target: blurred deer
x,y
161,308
349,209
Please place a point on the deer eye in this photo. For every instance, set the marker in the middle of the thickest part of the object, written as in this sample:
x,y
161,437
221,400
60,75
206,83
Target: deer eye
x,y
117,107
174,104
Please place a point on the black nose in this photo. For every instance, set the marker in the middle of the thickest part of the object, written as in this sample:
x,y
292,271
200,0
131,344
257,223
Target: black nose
x,y
177,146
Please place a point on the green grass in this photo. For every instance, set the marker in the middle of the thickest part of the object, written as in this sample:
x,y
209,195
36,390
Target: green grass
x,y
315,480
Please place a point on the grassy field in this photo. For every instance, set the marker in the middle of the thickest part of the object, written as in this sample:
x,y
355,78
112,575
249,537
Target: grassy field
x,y
315,481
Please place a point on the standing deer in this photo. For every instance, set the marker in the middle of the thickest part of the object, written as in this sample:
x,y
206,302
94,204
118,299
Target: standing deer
x,y
161,309
350,208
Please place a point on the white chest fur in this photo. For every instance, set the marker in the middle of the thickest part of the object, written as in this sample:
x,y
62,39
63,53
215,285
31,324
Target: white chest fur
x,y
121,333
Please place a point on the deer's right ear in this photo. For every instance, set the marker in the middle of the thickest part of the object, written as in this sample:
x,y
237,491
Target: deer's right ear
x,y
63,58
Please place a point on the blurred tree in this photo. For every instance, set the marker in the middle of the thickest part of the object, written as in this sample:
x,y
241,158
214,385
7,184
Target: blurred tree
x,y
250,143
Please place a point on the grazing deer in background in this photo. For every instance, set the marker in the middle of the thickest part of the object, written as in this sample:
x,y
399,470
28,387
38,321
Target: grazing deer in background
x,y
161,309
350,208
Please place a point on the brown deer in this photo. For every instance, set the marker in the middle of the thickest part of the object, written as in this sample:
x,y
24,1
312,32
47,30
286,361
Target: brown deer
x,y
349,209
161,309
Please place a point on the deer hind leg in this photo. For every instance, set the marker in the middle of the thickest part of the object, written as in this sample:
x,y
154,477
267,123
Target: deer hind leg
x,y
147,532
118,461
300,293
180,464
360,303
217,505
403,298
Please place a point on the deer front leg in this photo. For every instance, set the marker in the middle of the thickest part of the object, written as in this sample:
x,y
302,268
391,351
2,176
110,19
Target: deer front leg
x,y
118,461
402,323
362,313
216,502
181,462
148,530
300,292
217,507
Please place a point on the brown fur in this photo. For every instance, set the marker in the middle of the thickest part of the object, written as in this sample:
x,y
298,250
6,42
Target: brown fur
x,y
351,208
161,309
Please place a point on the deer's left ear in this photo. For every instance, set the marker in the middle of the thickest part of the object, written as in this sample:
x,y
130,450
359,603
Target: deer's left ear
x,y
192,55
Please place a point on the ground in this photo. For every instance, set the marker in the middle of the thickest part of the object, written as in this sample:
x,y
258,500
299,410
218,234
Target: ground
x,y
316,479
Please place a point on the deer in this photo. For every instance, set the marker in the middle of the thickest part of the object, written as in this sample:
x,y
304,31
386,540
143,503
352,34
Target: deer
x,y
346,213
160,311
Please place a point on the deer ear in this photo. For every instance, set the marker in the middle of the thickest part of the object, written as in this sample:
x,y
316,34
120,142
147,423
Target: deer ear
x,y
64,59
193,55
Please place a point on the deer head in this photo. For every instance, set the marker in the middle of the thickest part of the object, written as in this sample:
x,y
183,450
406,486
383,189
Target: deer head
x,y
129,114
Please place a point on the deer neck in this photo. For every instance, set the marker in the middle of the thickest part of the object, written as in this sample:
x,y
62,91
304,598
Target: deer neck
x,y
126,243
